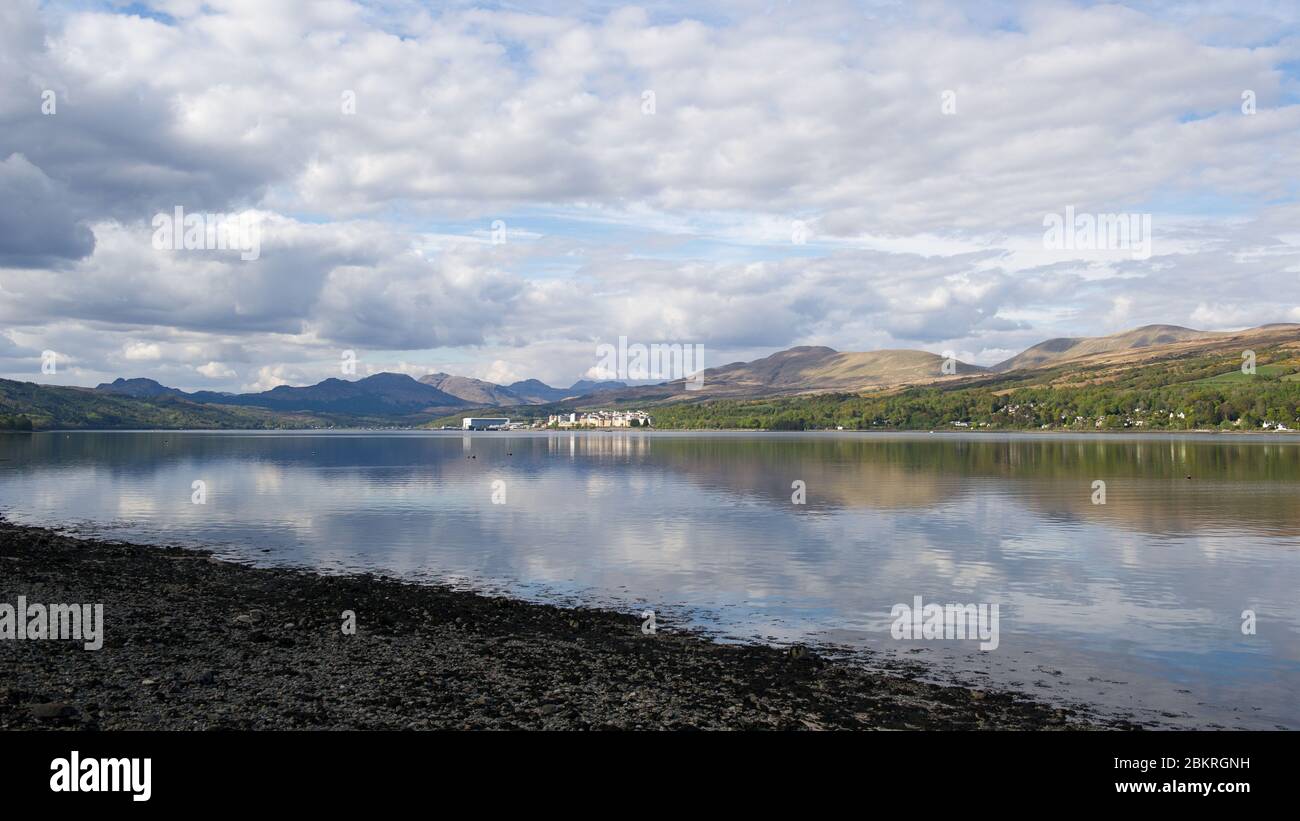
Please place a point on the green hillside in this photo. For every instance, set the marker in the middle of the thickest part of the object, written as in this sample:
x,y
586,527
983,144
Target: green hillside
x,y
1194,393
1187,391
28,406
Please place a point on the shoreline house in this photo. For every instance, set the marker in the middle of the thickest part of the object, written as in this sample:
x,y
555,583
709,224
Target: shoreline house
x,y
600,419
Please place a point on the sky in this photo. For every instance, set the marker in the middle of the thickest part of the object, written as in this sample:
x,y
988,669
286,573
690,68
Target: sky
x,y
498,189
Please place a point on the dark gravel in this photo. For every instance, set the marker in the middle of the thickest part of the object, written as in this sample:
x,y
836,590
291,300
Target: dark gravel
x,y
196,643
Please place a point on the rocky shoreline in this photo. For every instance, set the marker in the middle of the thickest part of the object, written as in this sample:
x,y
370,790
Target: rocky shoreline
x,y
194,643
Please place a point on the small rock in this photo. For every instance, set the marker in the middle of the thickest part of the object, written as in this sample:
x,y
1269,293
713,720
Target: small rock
x,y
52,710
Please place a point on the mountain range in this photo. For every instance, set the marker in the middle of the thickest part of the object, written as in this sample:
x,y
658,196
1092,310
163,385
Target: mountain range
x,y
382,394
802,369
807,370
389,398
1134,343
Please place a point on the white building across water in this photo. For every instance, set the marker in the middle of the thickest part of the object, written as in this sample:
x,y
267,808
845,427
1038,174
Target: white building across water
x,y
484,422
601,419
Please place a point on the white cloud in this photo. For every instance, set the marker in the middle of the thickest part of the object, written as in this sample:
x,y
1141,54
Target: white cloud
x,y
925,230
217,370
141,352
272,376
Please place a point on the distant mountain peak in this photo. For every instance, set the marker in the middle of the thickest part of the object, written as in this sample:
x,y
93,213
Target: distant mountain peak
x,y
474,391
139,387
1124,343
590,386
797,370
388,377
536,392
1159,327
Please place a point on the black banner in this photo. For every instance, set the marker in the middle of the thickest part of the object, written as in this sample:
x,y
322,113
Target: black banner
x,y
211,770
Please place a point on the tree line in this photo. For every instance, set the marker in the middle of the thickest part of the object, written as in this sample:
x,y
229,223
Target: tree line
x,y
1244,405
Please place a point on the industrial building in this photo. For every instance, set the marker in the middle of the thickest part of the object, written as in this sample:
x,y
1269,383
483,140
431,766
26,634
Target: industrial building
x,y
484,422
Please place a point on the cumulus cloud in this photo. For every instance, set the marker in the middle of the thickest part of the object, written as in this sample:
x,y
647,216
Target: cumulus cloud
x,y
646,166
37,225
141,351
216,370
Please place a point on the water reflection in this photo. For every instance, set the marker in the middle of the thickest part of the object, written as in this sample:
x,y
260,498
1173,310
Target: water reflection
x,y
1127,604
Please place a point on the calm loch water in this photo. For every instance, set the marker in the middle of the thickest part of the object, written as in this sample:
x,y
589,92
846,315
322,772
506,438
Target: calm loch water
x,y
1134,606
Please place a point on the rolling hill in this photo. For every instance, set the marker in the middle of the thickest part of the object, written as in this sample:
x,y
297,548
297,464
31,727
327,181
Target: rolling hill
x,y
806,369
1131,360
583,387
536,392
56,407
384,394
139,388
473,391
1142,343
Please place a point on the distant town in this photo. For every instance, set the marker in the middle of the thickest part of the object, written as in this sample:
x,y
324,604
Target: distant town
x,y
588,419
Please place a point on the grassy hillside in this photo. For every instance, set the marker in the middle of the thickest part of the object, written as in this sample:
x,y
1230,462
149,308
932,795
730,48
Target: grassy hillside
x,y
1195,393
1150,341
1201,392
1062,349
471,390
1188,384
1282,372
26,405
